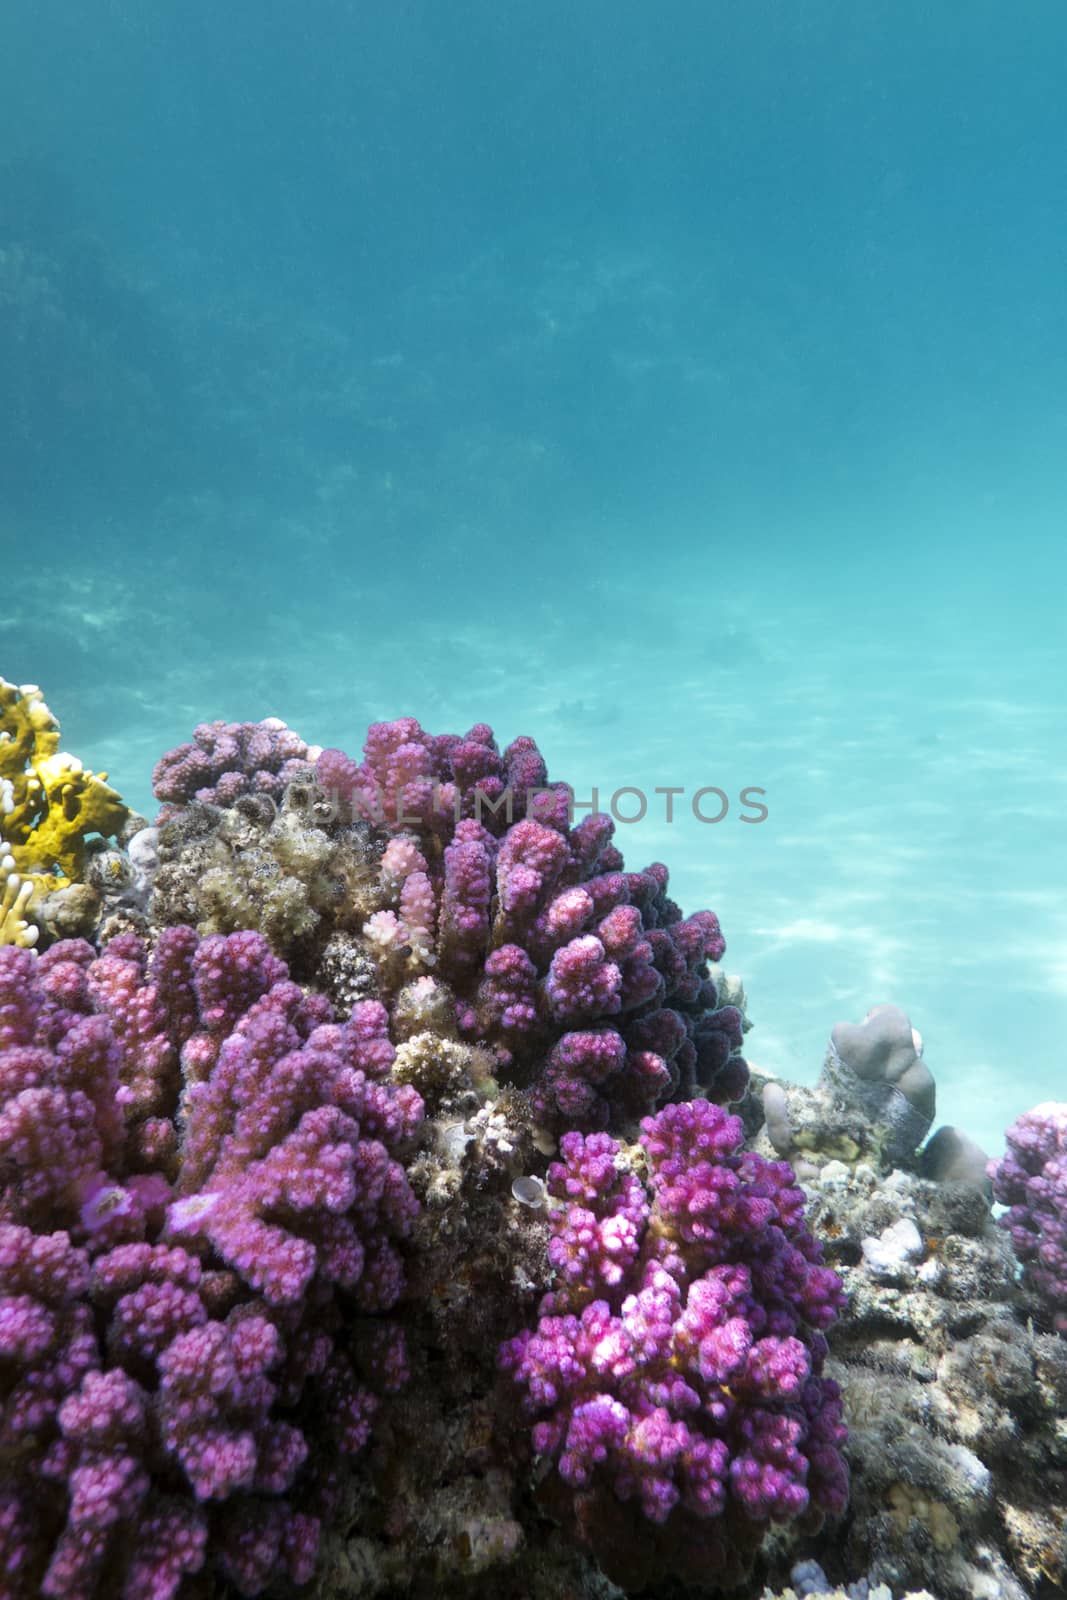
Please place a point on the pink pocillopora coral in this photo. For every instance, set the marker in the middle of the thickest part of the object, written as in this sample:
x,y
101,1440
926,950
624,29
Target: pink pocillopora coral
x,y
198,1187
585,981
225,760
1031,1180
677,1364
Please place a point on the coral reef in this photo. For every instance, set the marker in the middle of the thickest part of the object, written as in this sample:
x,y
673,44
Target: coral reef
x,y
238,1116
200,1209
677,1363
370,1220
53,809
1031,1179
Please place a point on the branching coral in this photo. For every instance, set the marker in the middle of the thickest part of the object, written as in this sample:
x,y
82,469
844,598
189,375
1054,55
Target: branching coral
x,y
189,1276
440,859
273,1206
220,1157
583,979
677,1363
1031,1179
53,804
15,895
225,760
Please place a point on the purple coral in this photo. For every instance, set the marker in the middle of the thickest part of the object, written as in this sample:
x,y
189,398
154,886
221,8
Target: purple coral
x,y
586,981
677,1363
177,1265
408,776
1031,1179
225,760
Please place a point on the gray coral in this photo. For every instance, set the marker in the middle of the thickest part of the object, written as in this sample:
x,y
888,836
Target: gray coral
x,y
878,1066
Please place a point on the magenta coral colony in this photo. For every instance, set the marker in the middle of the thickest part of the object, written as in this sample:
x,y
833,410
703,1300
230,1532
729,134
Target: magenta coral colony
x,y
677,1363
1031,1180
197,1165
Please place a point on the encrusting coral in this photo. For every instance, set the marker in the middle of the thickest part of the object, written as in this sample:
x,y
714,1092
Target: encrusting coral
x,y
51,805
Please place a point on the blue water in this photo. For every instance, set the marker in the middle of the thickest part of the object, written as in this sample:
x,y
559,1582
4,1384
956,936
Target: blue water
x,y
681,385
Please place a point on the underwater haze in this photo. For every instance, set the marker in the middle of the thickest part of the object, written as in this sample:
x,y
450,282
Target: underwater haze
x,y
682,385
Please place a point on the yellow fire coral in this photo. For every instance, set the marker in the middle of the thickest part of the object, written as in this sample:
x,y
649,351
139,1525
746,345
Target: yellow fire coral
x,y
50,804
14,929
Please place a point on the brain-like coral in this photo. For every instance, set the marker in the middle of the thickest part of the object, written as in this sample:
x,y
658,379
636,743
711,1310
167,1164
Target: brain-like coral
x,y
200,1213
677,1364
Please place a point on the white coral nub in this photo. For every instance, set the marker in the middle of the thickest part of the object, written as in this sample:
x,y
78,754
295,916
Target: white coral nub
x,y
14,929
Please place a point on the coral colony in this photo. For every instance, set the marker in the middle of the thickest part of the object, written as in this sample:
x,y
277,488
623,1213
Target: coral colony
x,y
677,1362
1031,1181
197,1163
371,1220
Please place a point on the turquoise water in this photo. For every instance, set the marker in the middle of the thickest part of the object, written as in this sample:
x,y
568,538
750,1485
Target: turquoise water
x,y
684,389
